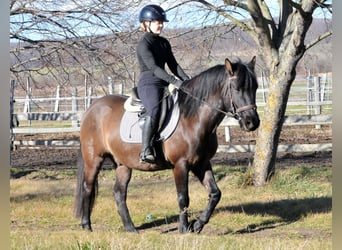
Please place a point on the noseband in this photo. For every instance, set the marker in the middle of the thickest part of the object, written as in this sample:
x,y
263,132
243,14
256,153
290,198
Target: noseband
x,y
235,110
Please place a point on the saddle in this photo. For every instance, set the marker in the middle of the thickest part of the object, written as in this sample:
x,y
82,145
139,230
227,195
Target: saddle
x,y
133,118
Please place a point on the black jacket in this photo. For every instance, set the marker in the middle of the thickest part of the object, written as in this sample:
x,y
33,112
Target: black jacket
x,y
153,53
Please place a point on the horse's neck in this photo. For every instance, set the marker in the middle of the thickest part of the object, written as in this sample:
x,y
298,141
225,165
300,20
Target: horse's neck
x,y
209,119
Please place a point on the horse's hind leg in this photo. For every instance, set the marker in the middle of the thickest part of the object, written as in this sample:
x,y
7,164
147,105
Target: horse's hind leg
x,y
89,185
205,175
123,176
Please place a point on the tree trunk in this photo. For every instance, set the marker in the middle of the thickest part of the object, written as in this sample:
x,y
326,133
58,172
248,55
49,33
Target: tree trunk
x,y
283,71
270,129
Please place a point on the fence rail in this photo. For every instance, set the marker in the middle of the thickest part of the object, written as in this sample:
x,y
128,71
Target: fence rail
x,y
227,122
311,94
310,103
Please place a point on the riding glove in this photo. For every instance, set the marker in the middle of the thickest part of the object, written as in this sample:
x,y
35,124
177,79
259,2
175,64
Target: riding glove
x,y
178,83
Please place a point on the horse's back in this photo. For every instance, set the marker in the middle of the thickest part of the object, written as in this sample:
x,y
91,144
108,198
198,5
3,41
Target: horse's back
x,y
104,108
102,120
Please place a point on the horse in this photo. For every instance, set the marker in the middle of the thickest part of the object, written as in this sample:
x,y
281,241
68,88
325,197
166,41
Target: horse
x,y
204,101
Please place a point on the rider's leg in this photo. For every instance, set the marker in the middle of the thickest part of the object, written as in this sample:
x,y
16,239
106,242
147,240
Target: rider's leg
x,y
148,132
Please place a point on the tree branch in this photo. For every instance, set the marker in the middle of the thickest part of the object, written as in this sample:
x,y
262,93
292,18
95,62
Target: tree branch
x,y
318,39
242,25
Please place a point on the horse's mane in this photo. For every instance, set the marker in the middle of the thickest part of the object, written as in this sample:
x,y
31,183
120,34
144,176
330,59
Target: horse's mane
x,y
200,87
208,83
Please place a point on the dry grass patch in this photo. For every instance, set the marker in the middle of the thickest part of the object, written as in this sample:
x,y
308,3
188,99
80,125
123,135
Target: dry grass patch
x,y
291,212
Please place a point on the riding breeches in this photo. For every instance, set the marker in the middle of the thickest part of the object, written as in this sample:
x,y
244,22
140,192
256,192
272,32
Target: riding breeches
x,y
151,91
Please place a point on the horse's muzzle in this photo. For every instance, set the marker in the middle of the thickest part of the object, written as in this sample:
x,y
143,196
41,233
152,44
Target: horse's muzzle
x,y
249,120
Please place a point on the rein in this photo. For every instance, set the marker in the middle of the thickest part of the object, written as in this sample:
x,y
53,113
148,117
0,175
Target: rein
x,y
208,104
235,110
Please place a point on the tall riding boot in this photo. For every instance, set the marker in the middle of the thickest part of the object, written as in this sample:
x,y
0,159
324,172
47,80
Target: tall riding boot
x,y
148,132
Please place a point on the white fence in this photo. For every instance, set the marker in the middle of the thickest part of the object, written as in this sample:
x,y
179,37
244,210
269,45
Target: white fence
x,y
310,103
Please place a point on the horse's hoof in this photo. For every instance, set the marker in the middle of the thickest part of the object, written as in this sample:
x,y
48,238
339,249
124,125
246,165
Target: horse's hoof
x,y
183,229
195,226
198,226
87,227
131,230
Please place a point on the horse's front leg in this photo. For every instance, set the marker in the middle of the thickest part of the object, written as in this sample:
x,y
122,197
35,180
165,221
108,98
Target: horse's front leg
x,y
181,180
123,176
205,175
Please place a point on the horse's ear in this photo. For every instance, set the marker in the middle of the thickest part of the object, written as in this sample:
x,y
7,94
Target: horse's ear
x,y
229,67
252,62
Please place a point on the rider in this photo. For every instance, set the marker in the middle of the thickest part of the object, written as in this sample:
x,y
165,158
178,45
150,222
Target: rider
x,y
154,51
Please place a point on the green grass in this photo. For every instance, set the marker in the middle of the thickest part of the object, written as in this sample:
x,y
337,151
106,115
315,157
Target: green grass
x,y
292,212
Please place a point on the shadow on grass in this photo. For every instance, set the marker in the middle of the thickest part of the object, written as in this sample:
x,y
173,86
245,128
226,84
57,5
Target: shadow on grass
x,y
160,222
288,211
21,173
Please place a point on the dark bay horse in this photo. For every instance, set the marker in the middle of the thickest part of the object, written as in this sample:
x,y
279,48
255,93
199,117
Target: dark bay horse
x,y
203,102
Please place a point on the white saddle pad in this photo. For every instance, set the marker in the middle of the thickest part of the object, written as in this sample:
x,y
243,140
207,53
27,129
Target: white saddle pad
x,y
131,132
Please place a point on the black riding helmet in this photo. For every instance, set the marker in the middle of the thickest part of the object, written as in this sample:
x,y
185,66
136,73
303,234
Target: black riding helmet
x,y
152,12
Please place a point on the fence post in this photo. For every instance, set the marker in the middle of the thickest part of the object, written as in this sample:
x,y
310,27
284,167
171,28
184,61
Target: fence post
x,y
85,92
12,99
324,83
317,84
227,133
74,104
110,85
27,97
90,93
12,117
27,106
57,99
264,96
309,96
318,107
120,89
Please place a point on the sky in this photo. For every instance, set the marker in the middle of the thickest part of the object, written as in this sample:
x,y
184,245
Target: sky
x,y
192,12
185,16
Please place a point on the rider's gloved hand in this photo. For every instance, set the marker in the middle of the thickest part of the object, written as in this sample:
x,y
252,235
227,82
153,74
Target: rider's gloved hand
x,y
186,78
177,84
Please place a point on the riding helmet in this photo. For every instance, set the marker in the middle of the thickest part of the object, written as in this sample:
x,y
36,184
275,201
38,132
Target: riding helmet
x,y
152,12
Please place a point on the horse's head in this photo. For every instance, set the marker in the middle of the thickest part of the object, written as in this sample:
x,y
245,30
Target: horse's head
x,y
242,87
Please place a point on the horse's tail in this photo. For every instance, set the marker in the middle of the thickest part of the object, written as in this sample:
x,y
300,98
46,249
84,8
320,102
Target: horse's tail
x,y
79,194
80,187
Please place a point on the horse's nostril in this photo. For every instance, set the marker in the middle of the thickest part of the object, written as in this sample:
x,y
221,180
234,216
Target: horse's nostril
x,y
255,124
251,123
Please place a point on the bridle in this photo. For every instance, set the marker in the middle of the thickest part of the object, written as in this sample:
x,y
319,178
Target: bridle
x,y
234,111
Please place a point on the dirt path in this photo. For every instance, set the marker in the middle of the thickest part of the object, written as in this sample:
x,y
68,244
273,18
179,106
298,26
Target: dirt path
x,y
66,158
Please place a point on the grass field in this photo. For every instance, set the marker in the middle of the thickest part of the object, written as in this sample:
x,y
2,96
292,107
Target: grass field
x,y
294,211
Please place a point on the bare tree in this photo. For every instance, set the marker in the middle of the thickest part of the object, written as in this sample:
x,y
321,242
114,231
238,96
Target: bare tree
x,y
62,42
67,40
281,42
